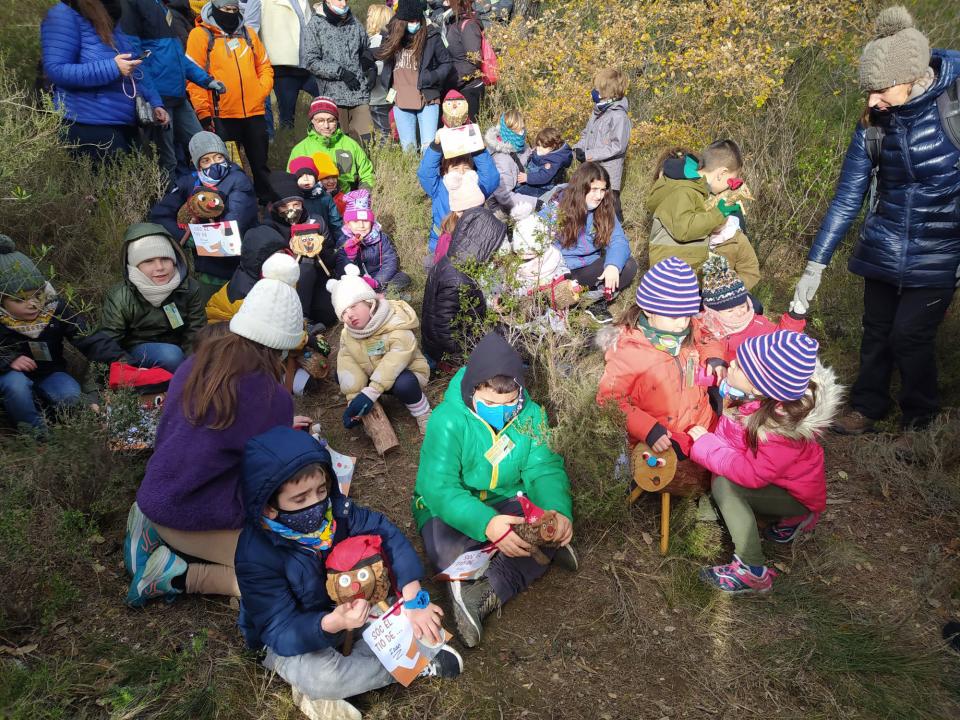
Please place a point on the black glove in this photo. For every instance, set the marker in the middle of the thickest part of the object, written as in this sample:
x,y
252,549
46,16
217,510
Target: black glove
x,y
579,155
349,79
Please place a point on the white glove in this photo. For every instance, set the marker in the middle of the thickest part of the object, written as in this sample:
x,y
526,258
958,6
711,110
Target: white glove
x,y
217,86
807,287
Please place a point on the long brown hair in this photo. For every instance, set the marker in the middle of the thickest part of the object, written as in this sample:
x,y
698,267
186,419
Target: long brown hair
x,y
96,13
572,213
396,36
773,413
220,359
463,9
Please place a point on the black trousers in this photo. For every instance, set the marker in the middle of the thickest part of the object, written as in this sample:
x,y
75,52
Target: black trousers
x,y
251,133
473,91
900,330
616,205
588,275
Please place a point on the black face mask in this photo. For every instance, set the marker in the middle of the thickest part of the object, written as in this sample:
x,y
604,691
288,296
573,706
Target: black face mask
x,y
228,22
114,9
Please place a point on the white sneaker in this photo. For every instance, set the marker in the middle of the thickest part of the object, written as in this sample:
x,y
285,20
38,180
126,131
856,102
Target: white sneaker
x,y
325,709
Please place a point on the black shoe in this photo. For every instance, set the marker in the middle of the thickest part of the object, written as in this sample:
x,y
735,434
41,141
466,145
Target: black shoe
x,y
446,664
567,558
951,633
600,312
472,603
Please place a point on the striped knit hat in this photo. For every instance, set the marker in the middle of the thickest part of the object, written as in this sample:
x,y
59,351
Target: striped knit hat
x,y
722,287
670,289
780,364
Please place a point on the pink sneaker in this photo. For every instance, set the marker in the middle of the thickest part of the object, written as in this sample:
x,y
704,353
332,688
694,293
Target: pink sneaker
x,y
736,578
786,530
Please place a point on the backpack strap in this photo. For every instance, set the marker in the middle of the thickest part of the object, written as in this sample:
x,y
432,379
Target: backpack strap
x,y
211,38
873,139
516,159
948,105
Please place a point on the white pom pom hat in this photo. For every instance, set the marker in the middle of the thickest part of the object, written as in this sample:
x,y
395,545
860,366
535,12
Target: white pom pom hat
x,y
349,289
282,267
271,314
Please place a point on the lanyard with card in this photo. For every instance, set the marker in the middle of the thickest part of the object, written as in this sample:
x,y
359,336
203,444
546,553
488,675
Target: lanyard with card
x,y
501,448
40,351
173,315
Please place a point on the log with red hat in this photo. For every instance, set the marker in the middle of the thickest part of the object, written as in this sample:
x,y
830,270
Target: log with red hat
x,y
134,426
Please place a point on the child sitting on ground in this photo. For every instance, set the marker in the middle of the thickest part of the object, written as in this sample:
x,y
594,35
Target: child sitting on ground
x,y
34,322
318,201
365,244
378,350
728,315
154,313
606,136
295,516
507,144
542,266
328,175
258,245
652,359
485,443
546,165
764,451
683,220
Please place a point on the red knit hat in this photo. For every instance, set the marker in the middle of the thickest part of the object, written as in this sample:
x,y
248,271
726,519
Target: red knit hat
x,y
351,552
325,105
140,380
531,513
304,165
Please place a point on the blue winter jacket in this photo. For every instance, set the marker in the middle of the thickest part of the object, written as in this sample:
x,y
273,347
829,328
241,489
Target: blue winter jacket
x,y
585,252
378,256
283,583
911,236
545,172
240,204
168,67
429,176
87,83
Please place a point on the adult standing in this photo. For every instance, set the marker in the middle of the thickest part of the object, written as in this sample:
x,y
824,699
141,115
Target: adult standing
x,y
336,53
464,40
325,136
282,26
378,17
95,76
908,251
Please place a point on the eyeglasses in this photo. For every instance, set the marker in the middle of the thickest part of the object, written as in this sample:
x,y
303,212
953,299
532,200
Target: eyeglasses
x,y
325,121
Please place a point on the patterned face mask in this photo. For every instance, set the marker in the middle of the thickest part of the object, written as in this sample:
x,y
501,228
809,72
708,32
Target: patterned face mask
x,y
305,520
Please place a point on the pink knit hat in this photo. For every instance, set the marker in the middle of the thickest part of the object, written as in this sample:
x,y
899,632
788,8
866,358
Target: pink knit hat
x,y
324,105
358,206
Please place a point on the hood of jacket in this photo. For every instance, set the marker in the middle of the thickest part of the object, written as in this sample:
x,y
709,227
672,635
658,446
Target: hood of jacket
x,y
272,458
562,156
206,19
665,186
402,318
829,398
258,244
478,236
946,68
140,230
621,105
491,356
495,145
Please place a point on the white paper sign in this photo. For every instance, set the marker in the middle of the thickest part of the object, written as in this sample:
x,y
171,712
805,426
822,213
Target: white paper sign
x,y
463,140
391,638
343,467
469,566
217,239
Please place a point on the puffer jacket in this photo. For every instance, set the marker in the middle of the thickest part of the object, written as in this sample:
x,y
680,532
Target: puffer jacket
x,y
787,456
238,60
87,83
649,385
911,236
464,41
283,584
130,320
145,21
606,137
377,255
375,361
508,162
436,68
760,325
356,170
453,303
585,252
456,482
428,174
332,45
545,172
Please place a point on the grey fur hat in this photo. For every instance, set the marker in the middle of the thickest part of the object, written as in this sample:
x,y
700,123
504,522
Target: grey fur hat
x,y
898,54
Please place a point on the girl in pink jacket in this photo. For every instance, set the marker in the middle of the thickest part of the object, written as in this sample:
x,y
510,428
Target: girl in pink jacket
x,y
764,452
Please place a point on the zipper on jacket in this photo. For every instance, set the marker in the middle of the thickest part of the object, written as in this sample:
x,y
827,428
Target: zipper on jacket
x,y
243,101
908,162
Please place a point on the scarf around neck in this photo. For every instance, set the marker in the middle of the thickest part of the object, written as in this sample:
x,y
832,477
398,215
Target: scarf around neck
x,y
318,541
518,141
715,325
668,342
153,293
33,328
378,319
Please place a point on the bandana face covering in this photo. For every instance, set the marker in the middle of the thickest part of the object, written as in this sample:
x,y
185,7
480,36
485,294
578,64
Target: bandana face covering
x,y
668,342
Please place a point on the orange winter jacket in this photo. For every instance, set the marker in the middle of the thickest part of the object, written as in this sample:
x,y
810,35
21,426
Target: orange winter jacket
x,y
650,386
239,61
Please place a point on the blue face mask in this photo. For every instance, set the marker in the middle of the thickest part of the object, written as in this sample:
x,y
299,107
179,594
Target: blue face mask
x,y
729,391
305,520
595,95
340,11
413,27
215,173
496,416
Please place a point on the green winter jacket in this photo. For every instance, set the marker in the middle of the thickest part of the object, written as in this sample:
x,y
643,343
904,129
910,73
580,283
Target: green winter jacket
x,y
681,220
355,167
457,484
130,320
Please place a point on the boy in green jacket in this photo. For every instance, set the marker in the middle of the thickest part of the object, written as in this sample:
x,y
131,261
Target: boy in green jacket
x,y
484,443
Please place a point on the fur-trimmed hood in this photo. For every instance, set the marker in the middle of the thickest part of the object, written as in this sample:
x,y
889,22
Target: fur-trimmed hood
x,y
829,396
495,145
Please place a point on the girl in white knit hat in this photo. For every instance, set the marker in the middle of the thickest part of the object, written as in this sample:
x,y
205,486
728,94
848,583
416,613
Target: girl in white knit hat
x,y
379,352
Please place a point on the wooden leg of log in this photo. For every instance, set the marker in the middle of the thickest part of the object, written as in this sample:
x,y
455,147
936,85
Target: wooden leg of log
x,y
348,643
377,426
664,522
635,495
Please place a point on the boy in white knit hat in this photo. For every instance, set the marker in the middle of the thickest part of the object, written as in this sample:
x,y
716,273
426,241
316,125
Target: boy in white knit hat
x,y
379,352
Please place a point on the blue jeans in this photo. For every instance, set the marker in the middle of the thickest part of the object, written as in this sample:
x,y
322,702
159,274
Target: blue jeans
x,y
183,126
164,355
408,121
57,389
287,89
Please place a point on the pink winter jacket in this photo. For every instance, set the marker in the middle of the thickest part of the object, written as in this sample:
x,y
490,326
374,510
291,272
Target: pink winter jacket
x,y
788,457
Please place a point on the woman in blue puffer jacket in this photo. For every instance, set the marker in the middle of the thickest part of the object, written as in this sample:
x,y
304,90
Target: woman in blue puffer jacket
x,y
908,251
95,76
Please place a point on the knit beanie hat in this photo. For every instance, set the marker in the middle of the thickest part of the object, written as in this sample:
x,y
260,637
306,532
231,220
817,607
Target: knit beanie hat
x,y
303,165
410,10
899,53
271,315
531,236
204,143
349,289
149,247
325,105
455,109
670,289
357,206
326,167
722,287
225,3
282,267
284,186
17,272
779,364
464,190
